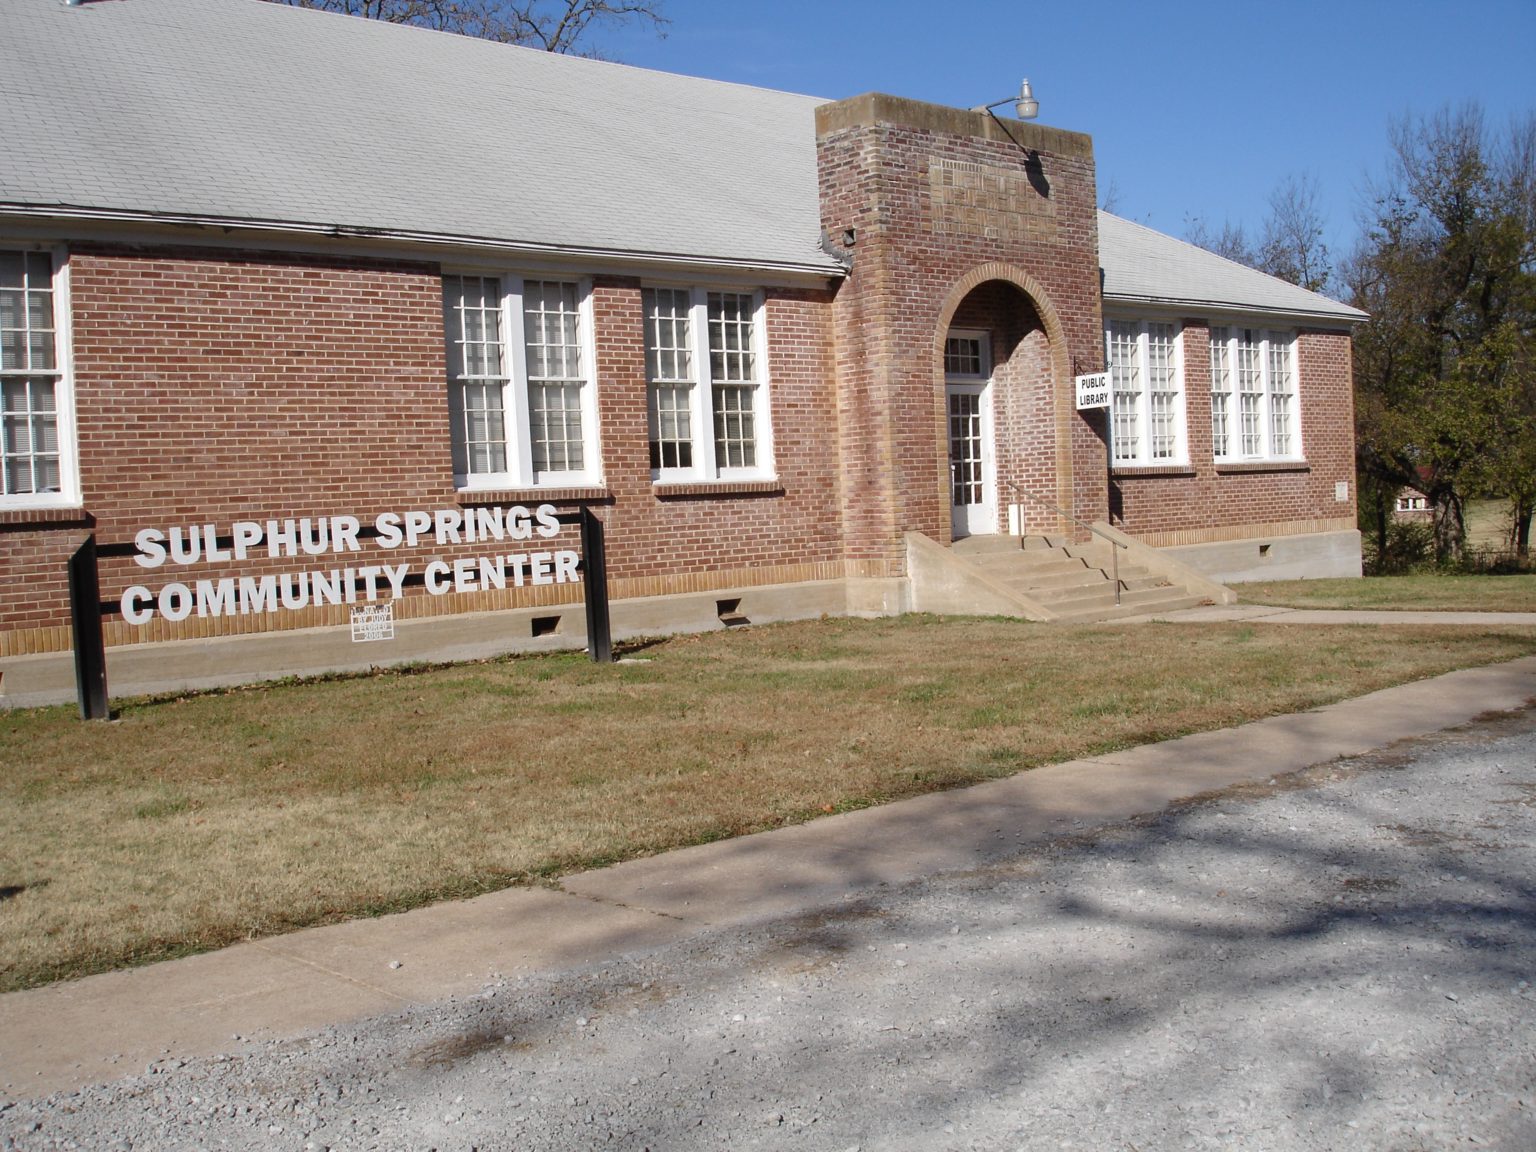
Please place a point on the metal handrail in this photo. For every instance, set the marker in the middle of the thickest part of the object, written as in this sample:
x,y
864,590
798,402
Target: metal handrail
x,y
1114,553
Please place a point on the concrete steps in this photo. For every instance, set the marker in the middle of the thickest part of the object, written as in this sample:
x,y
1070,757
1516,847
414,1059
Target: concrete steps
x,y
1073,581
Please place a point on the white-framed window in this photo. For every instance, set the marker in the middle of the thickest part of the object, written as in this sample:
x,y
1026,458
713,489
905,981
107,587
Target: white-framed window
x,y
1146,380
1413,502
37,442
1253,394
707,390
520,392
966,355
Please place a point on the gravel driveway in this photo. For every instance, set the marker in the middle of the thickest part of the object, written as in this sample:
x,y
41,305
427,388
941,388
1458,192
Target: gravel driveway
x,y
1340,959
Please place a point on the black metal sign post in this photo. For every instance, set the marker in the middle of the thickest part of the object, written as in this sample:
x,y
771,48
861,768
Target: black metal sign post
x,y
594,560
90,648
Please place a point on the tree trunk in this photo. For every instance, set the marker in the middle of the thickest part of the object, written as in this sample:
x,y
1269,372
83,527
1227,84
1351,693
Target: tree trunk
x,y
1450,527
1386,504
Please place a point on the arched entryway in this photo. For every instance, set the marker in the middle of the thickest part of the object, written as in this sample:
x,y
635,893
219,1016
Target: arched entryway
x,y
1000,360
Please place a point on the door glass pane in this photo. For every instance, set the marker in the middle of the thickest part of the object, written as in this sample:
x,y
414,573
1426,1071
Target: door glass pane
x,y
965,447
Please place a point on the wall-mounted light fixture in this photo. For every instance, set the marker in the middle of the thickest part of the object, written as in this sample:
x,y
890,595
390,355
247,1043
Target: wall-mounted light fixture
x,y
1025,106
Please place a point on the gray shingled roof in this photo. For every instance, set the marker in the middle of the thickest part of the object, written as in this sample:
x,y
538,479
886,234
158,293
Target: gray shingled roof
x,y
246,111
1146,267
243,111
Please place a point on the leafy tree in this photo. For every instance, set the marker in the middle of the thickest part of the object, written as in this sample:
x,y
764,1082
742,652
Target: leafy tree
x,y
1445,397
553,25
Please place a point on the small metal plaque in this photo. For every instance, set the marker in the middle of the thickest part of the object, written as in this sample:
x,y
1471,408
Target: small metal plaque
x,y
373,622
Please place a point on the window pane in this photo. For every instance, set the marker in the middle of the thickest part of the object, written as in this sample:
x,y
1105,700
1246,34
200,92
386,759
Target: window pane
x,y
472,321
669,371
671,426
551,331
735,438
734,370
669,344
965,448
29,436
1221,393
1250,387
730,337
26,312
1280,393
962,356
484,430
472,314
555,426
1125,383
40,351
1162,392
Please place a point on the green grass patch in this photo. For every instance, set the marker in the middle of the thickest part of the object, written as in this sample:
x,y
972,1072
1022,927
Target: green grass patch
x,y
1430,592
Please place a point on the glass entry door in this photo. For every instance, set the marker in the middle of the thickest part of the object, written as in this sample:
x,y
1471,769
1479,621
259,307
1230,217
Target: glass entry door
x,y
968,401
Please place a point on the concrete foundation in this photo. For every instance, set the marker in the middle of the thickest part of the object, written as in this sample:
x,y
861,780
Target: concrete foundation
x,y
184,665
1313,556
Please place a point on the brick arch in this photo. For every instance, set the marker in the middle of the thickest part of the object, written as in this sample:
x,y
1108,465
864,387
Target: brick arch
x,y
1060,361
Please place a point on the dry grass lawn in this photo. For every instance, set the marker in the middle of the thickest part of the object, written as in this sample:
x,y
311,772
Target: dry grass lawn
x,y
192,822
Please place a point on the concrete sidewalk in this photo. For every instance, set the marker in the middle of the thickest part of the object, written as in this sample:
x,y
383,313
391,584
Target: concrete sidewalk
x,y
104,1027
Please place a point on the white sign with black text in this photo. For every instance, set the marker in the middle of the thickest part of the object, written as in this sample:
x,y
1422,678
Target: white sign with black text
x,y
1093,390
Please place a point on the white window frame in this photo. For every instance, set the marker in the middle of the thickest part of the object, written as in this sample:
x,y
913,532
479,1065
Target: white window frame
x,y
1263,421
516,416
1139,410
705,465
68,493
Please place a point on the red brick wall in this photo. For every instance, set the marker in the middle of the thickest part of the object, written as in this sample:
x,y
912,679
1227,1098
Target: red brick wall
x,y
215,386
1206,497
718,527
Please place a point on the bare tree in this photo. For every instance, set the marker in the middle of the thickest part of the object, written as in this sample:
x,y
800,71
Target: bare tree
x,y
1230,240
1109,196
553,25
1292,247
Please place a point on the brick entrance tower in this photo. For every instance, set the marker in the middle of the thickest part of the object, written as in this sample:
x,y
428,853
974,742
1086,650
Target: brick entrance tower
x,y
956,220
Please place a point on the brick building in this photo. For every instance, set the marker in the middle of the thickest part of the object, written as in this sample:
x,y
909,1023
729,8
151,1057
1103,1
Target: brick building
x,y
323,313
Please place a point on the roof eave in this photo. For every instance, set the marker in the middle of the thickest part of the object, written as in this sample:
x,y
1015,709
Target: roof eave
x,y
1341,315
820,270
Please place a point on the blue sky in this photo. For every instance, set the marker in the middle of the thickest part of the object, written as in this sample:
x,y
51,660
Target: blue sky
x,y
1196,108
